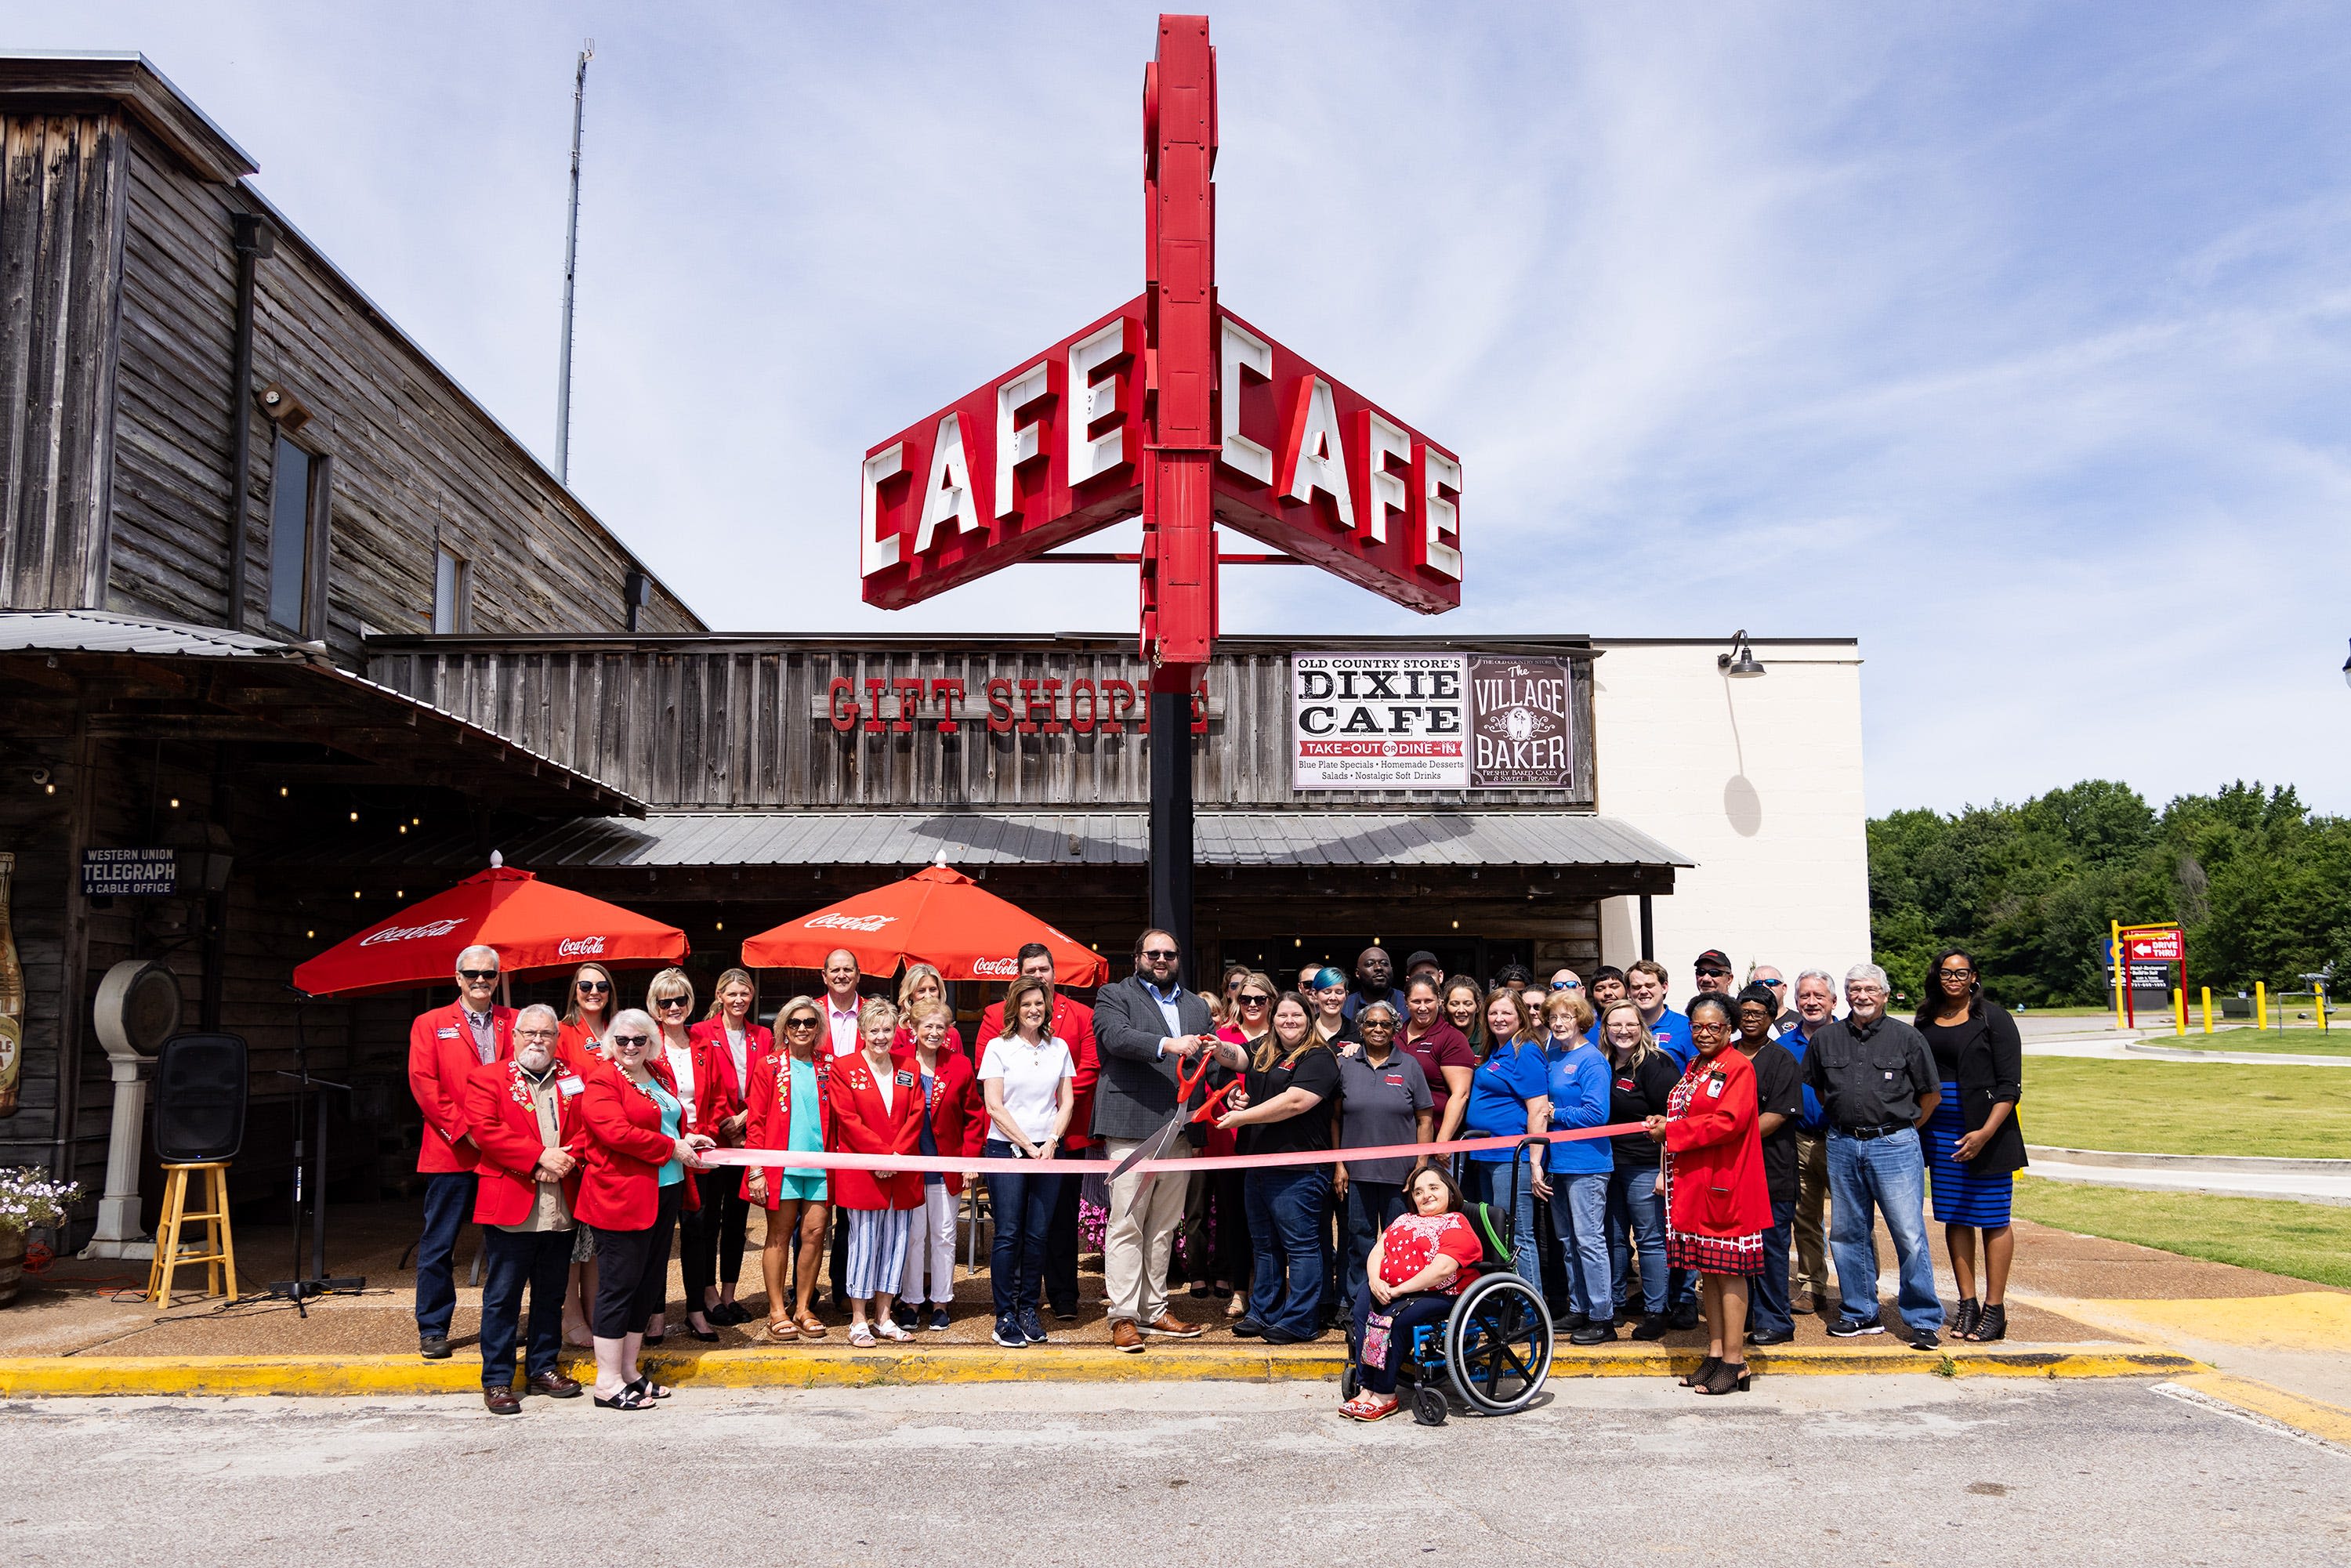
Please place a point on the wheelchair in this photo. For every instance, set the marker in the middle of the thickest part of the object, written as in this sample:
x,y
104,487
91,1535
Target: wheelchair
x,y
1492,1350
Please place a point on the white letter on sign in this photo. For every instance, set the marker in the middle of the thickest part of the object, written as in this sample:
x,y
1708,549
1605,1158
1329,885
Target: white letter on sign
x,y
1440,519
947,498
1091,399
1243,351
1015,442
1315,454
876,554
1384,491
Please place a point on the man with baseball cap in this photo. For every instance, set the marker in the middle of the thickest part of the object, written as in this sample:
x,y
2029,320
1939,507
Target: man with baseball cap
x,y
1712,972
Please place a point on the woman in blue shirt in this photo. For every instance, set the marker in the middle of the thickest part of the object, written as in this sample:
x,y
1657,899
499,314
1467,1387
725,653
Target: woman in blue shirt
x,y
1509,1096
1577,1078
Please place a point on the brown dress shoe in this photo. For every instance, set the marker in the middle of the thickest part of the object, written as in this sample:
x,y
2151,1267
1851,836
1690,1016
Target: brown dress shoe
x,y
501,1401
1126,1335
554,1385
1173,1327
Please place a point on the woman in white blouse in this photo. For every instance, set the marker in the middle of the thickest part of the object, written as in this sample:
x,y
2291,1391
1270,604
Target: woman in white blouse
x,y
1026,1079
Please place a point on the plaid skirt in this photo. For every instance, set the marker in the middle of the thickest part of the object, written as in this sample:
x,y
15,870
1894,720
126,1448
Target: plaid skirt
x,y
1714,1254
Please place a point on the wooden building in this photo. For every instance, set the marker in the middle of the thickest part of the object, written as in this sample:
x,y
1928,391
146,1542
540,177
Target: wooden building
x,y
221,468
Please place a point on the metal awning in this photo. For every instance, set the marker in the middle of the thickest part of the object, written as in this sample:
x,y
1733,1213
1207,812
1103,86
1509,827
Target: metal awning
x,y
163,679
838,838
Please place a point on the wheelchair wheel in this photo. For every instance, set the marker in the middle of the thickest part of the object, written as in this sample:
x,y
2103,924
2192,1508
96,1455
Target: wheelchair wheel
x,y
1348,1383
1498,1344
1429,1406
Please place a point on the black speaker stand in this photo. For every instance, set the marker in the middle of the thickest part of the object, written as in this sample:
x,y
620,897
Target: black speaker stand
x,y
316,1283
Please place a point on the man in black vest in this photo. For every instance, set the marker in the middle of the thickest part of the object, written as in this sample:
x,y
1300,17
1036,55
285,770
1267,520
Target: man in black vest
x,y
1145,1027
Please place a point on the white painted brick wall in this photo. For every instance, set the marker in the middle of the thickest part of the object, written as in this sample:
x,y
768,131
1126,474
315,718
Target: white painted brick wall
x,y
1759,781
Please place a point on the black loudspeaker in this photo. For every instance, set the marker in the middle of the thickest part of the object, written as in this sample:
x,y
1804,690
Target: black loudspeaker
x,y
199,1090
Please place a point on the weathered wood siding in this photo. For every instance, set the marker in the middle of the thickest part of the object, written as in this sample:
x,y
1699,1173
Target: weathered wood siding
x,y
737,723
62,179
413,461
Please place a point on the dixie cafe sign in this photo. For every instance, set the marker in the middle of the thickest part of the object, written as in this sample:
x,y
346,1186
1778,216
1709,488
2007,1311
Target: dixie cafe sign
x,y
1430,721
1052,451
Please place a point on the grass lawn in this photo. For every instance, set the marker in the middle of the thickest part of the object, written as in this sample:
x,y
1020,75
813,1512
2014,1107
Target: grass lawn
x,y
2293,1042
2187,1108
2304,1240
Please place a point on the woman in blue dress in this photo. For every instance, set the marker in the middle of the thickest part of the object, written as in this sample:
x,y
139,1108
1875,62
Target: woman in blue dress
x,y
1974,1146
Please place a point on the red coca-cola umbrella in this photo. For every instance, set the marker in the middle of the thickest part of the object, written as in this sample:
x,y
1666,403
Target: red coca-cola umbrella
x,y
937,916
534,925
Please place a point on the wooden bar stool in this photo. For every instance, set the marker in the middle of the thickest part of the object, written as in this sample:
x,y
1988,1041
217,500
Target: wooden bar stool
x,y
219,1254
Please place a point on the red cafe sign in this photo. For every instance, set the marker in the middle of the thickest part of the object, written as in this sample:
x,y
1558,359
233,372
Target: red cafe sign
x,y
1052,450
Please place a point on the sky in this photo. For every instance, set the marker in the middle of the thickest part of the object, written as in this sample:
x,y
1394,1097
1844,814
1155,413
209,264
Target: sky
x,y
2014,341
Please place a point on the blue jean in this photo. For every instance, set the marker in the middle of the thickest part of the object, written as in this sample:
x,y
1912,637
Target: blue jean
x,y
1407,1315
1489,1181
448,1205
1579,1211
1285,1216
1768,1311
1889,1175
1371,1206
1636,1219
540,1260
1023,1207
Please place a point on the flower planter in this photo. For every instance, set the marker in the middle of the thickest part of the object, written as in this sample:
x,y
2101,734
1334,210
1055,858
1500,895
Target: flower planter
x,y
11,1264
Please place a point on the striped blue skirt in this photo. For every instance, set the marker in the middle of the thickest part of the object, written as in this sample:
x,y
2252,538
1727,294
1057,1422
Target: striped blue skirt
x,y
1962,1198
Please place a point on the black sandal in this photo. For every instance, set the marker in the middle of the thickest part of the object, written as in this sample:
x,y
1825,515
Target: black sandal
x,y
645,1387
1726,1380
627,1399
1704,1370
1989,1326
1964,1320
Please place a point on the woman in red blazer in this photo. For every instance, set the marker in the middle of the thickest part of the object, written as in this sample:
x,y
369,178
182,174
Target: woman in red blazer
x,y
729,1048
877,1109
1716,1206
953,1126
639,1153
792,1108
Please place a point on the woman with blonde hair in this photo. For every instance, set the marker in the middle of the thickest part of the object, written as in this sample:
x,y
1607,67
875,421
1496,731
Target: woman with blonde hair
x,y
669,1002
730,1046
790,1108
1641,1079
952,1127
580,1046
1576,1172
877,1106
1510,1097
922,983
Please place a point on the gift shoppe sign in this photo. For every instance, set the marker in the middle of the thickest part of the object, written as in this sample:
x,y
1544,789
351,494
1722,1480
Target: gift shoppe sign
x,y
1430,721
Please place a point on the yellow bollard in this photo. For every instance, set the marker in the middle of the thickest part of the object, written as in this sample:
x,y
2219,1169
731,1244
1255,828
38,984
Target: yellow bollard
x,y
2322,1009
2179,1010
2208,1010
2260,1005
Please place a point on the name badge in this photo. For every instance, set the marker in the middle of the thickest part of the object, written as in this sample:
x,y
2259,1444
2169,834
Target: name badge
x,y
906,1080
1626,1084
1714,1089
568,1086
448,1034
1396,1078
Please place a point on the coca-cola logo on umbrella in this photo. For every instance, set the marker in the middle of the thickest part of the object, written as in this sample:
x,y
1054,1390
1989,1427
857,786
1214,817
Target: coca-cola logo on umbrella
x,y
847,922
994,968
579,947
409,933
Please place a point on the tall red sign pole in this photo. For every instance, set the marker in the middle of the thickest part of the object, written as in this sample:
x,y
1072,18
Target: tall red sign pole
x,y
1174,409
1180,437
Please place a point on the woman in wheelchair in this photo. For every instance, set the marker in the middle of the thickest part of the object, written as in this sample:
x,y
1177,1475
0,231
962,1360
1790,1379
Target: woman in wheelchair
x,y
1421,1262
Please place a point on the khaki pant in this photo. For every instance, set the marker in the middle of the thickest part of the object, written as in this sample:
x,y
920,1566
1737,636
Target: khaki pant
x,y
1141,1233
1812,1203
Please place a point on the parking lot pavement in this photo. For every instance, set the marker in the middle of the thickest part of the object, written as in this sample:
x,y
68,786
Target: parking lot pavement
x,y
1803,1470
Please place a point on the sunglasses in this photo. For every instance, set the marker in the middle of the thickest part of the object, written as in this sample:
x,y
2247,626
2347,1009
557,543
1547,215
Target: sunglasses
x,y
1714,974
633,1039
1567,985
1381,1024
666,1003
479,974
586,986
1254,998
1781,984
800,1024
1160,952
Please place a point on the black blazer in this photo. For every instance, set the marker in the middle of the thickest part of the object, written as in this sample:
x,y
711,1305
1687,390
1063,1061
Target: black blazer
x,y
1992,1069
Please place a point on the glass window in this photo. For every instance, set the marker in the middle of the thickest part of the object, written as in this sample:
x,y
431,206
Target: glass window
x,y
449,592
289,539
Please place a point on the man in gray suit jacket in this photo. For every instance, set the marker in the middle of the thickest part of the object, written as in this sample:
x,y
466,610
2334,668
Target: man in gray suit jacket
x,y
1145,1027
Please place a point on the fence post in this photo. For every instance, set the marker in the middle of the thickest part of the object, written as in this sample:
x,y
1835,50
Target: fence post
x,y
2208,1010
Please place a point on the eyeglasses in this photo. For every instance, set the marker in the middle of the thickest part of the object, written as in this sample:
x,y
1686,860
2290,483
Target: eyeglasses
x,y
633,1039
586,986
665,1003
1367,1025
479,974
1958,974
800,1024
535,1034
1567,985
1160,952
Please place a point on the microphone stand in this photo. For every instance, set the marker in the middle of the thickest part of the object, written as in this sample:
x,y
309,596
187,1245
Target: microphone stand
x,y
304,1288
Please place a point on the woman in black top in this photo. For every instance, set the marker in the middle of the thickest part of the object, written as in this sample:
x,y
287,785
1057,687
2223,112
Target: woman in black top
x,y
1974,1146
1640,1076
1279,1109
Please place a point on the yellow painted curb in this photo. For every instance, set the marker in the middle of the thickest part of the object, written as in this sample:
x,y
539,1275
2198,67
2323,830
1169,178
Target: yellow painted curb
x,y
2318,1419
811,1367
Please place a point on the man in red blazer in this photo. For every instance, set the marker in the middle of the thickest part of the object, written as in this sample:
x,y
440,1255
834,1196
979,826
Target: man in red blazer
x,y
1074,1024
445,1047
528,1125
